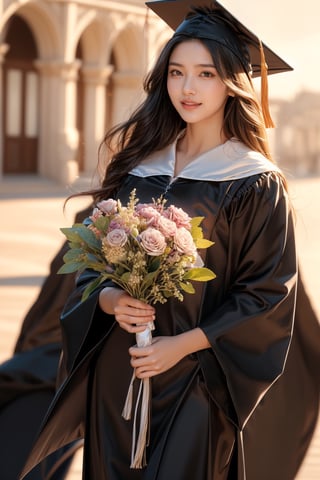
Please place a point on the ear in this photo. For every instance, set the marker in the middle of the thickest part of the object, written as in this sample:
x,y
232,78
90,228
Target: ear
x,y
231,94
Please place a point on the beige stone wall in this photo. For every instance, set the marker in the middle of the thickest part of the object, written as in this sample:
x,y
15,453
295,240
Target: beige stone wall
x,y
117,49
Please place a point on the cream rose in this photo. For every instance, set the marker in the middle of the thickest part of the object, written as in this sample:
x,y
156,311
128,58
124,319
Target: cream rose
x,y
178,216
166,226
150,214
184,242
96,213
117,238
153,242
109,207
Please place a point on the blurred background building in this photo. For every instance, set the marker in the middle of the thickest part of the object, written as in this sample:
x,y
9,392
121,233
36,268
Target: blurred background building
x,y
297,137
69,71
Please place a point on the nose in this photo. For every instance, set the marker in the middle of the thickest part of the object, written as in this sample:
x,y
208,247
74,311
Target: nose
x,y
189,85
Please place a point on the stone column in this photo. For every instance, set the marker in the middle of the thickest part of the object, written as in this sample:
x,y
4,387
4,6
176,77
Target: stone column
x,y
95,106
4,47
127,94
58,133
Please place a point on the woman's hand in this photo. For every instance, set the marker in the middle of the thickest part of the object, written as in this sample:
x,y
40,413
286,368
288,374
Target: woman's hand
x,y
131,314
161,355
165,352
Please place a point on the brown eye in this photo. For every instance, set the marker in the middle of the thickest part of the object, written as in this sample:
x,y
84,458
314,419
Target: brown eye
x,y
207,74
174,72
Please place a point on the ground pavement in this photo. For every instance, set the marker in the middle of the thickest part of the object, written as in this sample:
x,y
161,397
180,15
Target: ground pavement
x,y
31,212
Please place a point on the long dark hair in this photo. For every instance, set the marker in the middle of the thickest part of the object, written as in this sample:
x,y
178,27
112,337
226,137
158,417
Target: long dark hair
x,y
155,123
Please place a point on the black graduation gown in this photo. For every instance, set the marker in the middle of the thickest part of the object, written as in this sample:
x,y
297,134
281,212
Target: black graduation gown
x,y
202,407
28,379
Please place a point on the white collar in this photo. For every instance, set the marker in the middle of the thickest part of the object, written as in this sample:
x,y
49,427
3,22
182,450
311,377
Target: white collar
x,y
230,161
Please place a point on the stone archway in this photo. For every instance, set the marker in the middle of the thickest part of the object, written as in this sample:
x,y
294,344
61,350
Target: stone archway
x,y
94,75
37,29
129,58
20,99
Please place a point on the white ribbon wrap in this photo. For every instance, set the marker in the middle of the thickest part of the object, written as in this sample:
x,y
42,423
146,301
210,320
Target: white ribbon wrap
x,y
139,440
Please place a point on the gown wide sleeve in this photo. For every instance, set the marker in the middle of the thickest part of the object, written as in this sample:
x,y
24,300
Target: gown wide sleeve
x,y
250,331
83,324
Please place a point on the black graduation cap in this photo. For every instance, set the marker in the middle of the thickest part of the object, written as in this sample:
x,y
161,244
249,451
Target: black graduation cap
x,y
262,59
173,12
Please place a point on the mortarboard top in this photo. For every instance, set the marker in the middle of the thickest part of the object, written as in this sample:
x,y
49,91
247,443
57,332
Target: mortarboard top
x,y
173,12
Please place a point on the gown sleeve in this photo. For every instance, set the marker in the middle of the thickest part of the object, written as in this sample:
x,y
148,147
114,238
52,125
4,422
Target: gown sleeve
x,y
83,324
250,332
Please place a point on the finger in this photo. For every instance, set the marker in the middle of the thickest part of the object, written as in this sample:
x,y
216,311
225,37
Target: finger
x,y
137,315
139,352
134,303
146,373
132,321
131,328
144,364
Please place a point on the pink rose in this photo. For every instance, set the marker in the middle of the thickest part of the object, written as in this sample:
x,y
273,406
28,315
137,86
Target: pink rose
x,y
140,206
117,238
184,242
153,242
95,214
178,216
166,226
95,231
117,223
149,213
109,207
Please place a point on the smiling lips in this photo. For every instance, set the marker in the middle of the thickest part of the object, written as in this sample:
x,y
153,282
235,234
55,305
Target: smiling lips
x,y
189,104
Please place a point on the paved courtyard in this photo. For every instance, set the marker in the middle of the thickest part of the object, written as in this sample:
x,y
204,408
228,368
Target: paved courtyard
x,y
31,212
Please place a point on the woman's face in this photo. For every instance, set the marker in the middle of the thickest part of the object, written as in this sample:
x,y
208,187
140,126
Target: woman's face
x,y
194,86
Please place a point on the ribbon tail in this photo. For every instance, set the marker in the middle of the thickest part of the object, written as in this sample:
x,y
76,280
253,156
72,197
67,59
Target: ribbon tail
x,y
138,456
127,409
140,439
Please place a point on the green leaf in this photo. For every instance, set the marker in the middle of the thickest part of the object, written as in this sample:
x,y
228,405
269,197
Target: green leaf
x,y
73,254
187,287
154,264
98,267
72,267
203,243
196,230
125,277
76,244
88,237
71,234
199,274
91,287
166,293
195,221
102,223
148,280
196,233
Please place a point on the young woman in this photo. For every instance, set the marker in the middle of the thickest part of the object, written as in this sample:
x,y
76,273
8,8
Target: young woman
x,y
199,139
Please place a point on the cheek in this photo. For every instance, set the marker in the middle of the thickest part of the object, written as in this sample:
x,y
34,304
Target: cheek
x,y
170,84
172,89
219,93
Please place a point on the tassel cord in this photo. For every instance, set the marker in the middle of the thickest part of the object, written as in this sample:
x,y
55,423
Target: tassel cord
x,y
264,90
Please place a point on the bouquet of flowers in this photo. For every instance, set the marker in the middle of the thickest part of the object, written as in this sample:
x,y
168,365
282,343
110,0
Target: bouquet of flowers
x,y
150,251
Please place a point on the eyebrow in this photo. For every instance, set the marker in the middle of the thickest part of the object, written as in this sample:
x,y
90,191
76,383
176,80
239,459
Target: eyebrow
x,y
202,65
